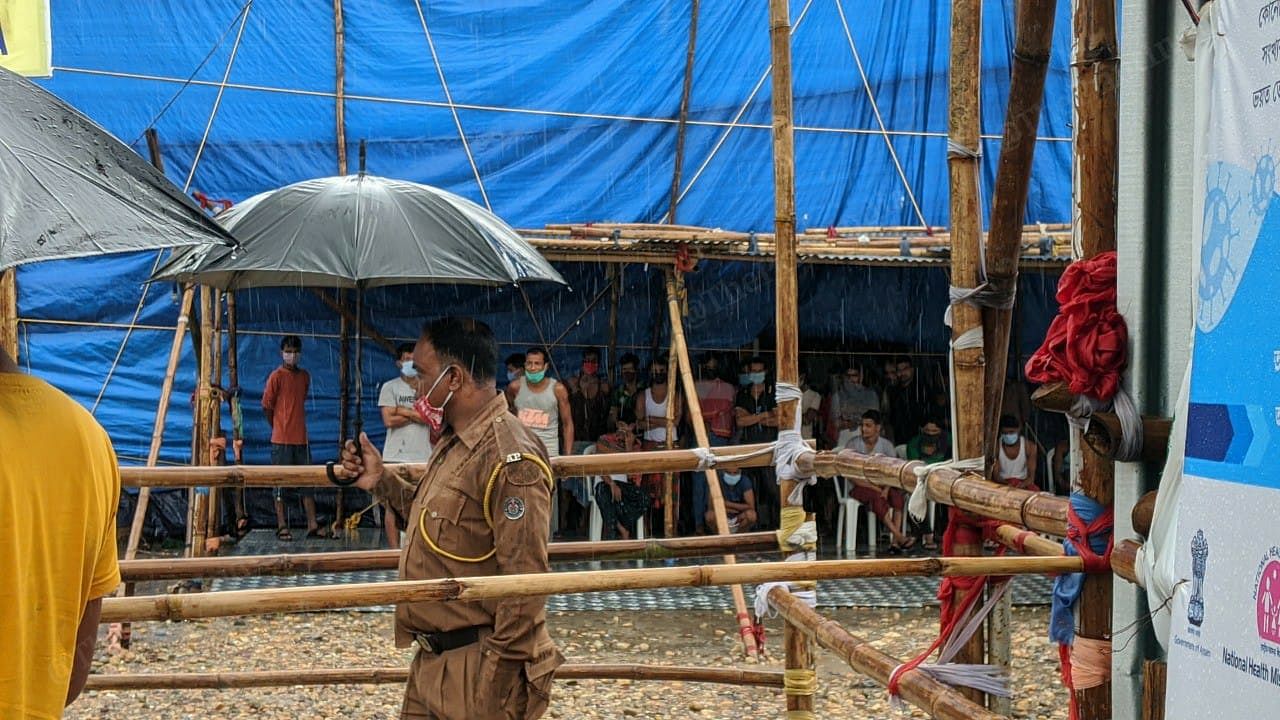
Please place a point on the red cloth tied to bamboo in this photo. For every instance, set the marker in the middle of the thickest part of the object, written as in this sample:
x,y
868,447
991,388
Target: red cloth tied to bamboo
x,y
1086,343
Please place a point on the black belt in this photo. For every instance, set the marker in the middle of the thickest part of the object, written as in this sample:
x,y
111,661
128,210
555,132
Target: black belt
x,y
442,642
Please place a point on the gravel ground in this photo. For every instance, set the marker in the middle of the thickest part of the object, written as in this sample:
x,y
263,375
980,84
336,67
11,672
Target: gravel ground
x,y
339,640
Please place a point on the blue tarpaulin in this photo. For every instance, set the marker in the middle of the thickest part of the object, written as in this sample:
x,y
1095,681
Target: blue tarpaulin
x,y
569,112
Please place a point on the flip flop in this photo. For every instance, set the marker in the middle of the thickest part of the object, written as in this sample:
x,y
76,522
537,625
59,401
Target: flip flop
x,y
284,534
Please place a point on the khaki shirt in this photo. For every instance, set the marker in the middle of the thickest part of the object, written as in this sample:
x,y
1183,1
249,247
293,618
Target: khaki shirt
x,y
451,494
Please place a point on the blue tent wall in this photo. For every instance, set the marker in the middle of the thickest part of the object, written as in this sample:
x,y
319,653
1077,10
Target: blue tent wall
x,y
568,108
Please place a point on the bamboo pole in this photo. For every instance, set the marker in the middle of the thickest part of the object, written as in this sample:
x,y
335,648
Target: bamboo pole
x,y
615,299
1027,542
653,461
799,660
682,122
1143,514
1096,62
398,675
968,366
1104,432
935,698
1124,561
215,415
198,511
680,348
9,312
365,560
1034,38
1154,674
668,480
340,84
328,597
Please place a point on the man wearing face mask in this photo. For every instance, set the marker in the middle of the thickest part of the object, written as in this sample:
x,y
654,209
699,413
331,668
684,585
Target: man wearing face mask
x,y
515,367
1016,461
756,414
622,404
739,503
284,402
408,439
931,445
479,659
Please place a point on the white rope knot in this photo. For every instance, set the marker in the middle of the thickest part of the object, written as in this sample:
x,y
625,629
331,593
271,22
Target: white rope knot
x,y
955,149
706,459
918,505
765,609
790,446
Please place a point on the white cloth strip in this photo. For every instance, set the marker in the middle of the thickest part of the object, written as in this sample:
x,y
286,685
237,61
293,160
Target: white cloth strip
x,y
918,505
765,610
955,149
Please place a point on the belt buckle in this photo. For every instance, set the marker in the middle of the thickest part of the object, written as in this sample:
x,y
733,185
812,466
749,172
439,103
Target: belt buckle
x,y
429,639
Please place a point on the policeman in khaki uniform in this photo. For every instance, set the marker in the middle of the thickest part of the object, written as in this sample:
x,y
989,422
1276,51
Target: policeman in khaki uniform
x,y
482,508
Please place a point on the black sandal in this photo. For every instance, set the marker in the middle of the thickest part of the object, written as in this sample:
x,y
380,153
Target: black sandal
x,y
284,534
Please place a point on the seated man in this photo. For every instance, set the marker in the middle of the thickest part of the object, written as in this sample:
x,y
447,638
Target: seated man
x,y
1016,464
739,503
619,497
932,445
887,503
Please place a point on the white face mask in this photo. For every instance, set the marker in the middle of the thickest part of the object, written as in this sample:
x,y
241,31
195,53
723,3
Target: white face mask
x,y
290,358
731,479
1010,438
408,370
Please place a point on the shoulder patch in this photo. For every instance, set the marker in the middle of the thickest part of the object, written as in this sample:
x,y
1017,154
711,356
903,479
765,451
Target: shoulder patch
x,y
513,508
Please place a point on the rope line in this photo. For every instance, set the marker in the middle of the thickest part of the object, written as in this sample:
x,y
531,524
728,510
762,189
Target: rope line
x,y
453,109
875,108
614,117
737,116
146,288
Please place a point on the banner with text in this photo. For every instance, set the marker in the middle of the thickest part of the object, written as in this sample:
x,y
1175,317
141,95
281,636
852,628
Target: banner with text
x,y
25,45
1224,638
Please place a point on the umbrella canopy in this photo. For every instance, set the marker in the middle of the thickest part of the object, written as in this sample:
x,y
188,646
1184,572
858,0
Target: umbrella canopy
x,y
69,189
362,231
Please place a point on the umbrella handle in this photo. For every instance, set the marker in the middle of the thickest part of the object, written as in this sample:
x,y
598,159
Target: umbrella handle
x,y
333,477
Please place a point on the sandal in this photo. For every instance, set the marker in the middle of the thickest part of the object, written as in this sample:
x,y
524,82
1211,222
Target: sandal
x,y
242,527
284,534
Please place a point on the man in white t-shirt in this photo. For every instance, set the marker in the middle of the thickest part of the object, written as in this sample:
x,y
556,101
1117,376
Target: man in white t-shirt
x,y
408,438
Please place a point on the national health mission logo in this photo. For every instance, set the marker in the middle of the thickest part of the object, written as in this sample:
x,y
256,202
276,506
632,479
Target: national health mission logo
x,y
1267,596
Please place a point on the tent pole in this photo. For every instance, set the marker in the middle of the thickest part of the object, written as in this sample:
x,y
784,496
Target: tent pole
x,y
682,124
215,415
968,366
615,298
1096,62
680,349
198,511
9,312
800,647
669,514
339,86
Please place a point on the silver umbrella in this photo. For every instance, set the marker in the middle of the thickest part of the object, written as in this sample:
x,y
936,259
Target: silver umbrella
x,y
69,189
361,231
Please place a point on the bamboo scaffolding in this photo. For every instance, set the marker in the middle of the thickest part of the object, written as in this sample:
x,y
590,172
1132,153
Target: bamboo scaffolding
x,y
668,480
1096,65
968,365
1154,675
198,514
1037,511
9,312
397,675
1124,561
1013,537
1104,433
1033,41
654,461
680,349
682,123
1143,514
935,698
329,597
365,560
339,85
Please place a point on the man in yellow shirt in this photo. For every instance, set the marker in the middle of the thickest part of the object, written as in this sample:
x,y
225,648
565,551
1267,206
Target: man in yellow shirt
x,y
59,488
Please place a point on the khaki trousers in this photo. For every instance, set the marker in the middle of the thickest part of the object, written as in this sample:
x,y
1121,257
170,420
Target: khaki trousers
x,y
450,686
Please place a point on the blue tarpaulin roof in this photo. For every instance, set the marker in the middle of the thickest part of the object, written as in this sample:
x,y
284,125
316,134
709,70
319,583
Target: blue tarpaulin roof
x,y
569,113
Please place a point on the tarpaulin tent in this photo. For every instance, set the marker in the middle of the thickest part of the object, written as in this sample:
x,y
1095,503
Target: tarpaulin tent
x,y
569,113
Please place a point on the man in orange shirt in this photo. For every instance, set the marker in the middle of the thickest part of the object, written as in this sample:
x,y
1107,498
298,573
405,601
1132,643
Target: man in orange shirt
x,y
284,402
59,489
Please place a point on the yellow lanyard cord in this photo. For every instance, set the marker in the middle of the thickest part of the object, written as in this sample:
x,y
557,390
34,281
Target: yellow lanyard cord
x,y
488,514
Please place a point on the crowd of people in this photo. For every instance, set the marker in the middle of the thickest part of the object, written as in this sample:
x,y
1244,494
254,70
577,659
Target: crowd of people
x,y
883,405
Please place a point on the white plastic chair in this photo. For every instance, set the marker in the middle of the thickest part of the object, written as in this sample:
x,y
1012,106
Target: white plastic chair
x,y
595,526
847,521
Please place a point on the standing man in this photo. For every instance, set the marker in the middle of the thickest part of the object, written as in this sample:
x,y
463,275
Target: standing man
x,y
542,404
756,412
715,397
59,488
849,399
284,402
481,659
408,439
515,367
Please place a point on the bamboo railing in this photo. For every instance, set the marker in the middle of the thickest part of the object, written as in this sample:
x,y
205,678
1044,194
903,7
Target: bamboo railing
x,y
389,675
329,597
365,560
